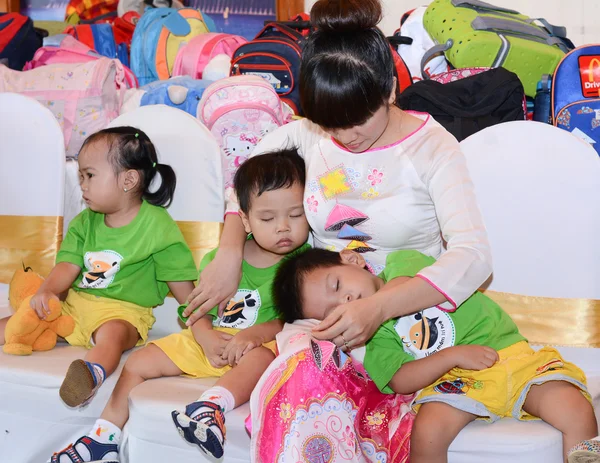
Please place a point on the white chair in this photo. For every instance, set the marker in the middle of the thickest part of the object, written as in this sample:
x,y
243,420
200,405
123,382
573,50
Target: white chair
x,y
537,187
31,176
29,385
32,163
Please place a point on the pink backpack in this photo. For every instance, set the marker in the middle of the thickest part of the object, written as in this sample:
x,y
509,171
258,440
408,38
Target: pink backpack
x,y
68,50
193,58
239,111
84,97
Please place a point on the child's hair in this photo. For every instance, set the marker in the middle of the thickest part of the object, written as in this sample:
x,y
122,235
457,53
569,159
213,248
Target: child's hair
x,y
347,70
130,148
289,279
268,172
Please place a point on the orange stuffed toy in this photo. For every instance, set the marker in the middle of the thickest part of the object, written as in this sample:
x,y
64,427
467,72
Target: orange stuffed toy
x,y
25,332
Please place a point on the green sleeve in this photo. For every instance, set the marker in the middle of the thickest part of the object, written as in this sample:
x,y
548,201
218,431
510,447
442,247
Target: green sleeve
x,y
175,261
405,264
71,249
384,357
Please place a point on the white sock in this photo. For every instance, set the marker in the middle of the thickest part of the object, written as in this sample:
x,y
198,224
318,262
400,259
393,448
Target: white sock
x,y
105,432
217,395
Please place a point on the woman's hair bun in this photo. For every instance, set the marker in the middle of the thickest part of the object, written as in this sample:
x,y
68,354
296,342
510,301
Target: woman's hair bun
x,y
345,15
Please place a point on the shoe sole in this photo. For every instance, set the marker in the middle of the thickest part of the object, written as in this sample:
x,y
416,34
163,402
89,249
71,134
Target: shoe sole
x,y
182,427
203,435
584,456
78,385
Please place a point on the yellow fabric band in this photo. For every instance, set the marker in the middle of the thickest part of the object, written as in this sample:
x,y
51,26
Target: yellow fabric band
x,y
30,240
553,321
201,237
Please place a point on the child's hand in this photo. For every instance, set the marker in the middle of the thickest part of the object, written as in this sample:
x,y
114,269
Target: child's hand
x,y
40,303
213,344
242,343
474,357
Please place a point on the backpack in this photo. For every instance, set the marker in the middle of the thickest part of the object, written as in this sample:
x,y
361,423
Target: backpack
x,y
84,97
181,92
18,40
65,49
239,111
89,10
471,104
576,94
412,41
193,58
158,36
473,33
275,55
100,37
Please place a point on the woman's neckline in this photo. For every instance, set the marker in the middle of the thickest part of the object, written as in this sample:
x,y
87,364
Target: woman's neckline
x,y
420,115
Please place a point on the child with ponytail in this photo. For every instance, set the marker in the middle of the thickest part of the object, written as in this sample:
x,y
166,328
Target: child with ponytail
x,y
120,258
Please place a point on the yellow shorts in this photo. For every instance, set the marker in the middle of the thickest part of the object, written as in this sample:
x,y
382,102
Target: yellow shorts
x,y
90,312
188,355
500,391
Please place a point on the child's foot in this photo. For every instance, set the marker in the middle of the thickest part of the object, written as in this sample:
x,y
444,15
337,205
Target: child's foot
x,y
202,424
86,449
587,451
81,383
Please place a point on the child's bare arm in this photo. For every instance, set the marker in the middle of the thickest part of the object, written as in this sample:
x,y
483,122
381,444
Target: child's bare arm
x,y
60,279
213,342
415,375
181,289
250,338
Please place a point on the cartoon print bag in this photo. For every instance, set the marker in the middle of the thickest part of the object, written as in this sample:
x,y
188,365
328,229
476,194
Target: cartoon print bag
x,y
84,97
239,111
576,94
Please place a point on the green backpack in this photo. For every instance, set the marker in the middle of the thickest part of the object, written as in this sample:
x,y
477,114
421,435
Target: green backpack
x,y
473,33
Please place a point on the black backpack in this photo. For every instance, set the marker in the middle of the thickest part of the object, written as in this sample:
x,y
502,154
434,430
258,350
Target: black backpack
x,y
469,105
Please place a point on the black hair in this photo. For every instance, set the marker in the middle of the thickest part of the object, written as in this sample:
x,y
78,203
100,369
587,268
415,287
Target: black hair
x,y
268,172
130,148
347,70
289,279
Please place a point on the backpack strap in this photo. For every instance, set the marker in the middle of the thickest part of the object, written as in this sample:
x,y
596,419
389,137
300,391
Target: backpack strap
x,y
434,51
482,5
281,28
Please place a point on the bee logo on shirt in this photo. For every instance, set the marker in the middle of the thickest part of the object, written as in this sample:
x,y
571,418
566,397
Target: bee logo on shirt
x,y
101,269
241,311
425,332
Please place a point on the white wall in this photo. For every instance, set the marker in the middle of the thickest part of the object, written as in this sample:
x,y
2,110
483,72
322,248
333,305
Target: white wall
x,y
580,17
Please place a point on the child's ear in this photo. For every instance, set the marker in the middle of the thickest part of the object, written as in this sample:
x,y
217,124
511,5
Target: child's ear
x,y
245,221
352,258
131,179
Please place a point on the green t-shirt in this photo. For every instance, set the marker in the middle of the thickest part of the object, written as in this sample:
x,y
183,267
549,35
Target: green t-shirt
x,y
479,320
253,302
130,263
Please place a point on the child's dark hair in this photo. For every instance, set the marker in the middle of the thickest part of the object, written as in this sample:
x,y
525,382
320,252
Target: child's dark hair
x,y
289,279
130,148
268,172
347,70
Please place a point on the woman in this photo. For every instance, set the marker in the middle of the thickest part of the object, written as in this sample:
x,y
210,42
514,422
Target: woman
x,y
379,179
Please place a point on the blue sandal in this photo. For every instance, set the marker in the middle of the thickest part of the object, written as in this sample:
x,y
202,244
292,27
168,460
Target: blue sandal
x,y
97,451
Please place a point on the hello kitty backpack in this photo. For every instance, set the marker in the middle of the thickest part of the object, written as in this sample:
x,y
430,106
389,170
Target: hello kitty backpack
x,y
239,111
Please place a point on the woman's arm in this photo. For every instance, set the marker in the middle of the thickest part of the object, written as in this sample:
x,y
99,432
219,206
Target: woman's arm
x,y
220,279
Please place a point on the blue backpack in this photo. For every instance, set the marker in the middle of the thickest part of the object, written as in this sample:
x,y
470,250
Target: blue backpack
x,y
19,40
576,94
100,37
159,35
178,92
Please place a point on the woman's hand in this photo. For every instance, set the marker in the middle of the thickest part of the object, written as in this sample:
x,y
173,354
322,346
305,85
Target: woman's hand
x,y
352,324
218,283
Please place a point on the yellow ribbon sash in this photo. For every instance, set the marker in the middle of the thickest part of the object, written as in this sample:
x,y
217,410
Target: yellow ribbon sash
x,y
35,241
554,321
32,240
201,237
